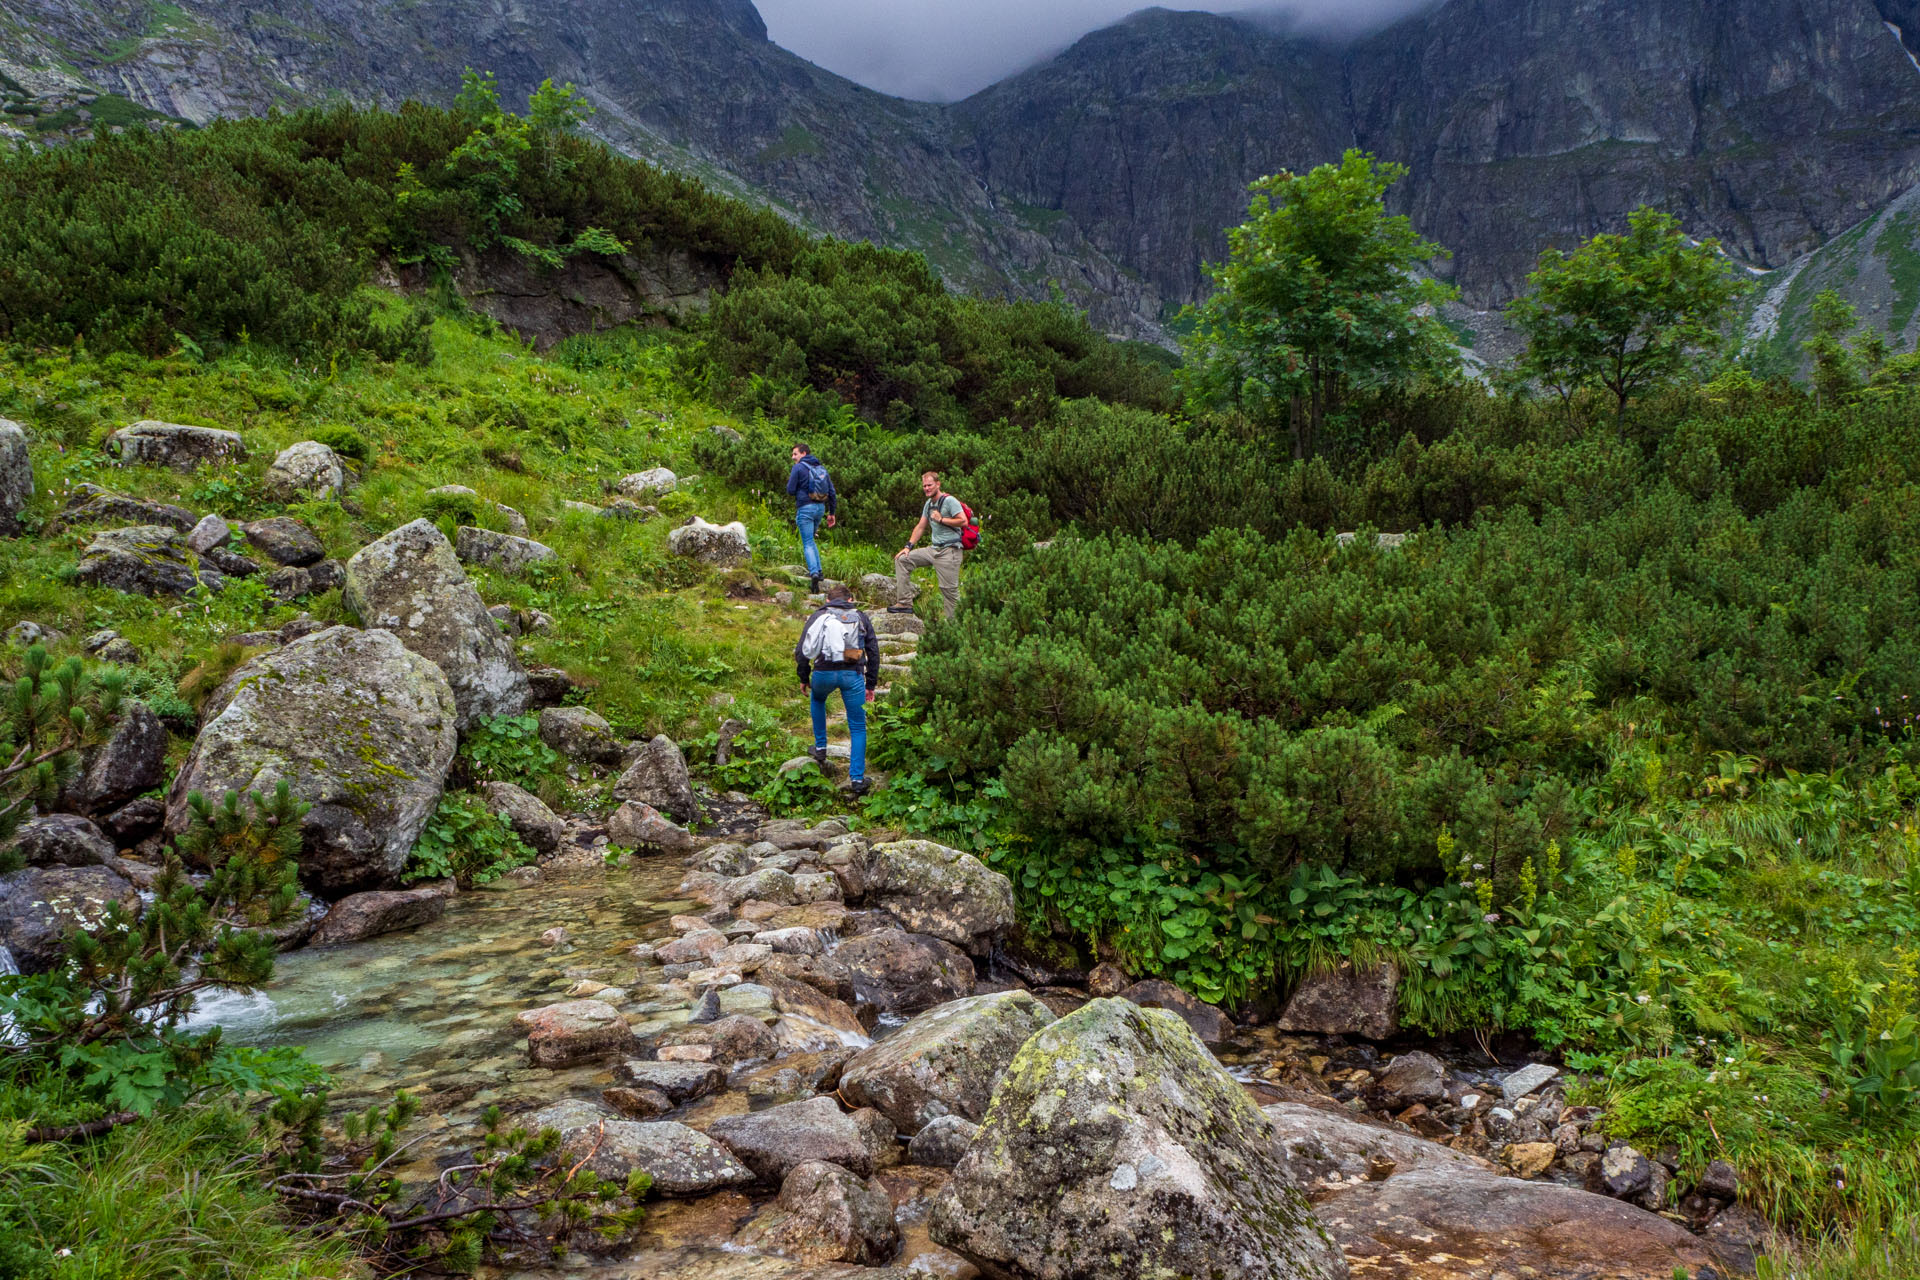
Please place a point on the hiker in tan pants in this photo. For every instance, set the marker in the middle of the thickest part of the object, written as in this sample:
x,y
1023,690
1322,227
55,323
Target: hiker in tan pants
x,y
941,513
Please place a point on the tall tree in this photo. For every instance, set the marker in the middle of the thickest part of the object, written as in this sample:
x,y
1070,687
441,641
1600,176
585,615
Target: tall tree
x,y
1628,313
1319,296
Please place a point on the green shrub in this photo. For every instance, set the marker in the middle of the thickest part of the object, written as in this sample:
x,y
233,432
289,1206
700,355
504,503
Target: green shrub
x,y
344,441
467,842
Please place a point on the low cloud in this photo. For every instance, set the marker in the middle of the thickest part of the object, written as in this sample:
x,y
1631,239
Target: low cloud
x,y
941,50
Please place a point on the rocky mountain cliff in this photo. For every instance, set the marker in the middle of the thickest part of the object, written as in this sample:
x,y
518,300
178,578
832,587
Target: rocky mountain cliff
x,y
1110,170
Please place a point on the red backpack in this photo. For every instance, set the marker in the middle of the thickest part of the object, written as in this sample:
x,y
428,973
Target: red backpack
x,y
970,531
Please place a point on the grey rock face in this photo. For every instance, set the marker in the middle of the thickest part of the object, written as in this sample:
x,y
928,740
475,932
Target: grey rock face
x,y
359,728
1346,1001
410,583
1526,1080
500,551
947,1061
774,1141
900,972
941,892
62,840
722,546
1117,1145
212,531
1327,1148
308,469
41,906
359,916
146,560
658,777
530,819
1413,1077
942,1143
16,476
132,760
825,1214
167,444
284,540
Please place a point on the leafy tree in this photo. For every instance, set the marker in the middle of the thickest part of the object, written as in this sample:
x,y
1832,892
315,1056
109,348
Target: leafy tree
x,y
1627,313
1319,296
1839,366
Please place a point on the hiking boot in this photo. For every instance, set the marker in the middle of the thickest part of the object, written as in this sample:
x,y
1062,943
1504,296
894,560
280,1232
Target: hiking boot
x,y
899,608
860,787
813,582
819,755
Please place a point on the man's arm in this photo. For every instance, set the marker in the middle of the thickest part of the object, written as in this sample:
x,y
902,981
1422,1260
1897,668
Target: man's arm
x,y
795,478
801,665
953,521
871,642
833,496
919,532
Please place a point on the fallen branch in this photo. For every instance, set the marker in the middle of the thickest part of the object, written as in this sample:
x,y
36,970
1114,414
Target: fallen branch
x,y
91,1129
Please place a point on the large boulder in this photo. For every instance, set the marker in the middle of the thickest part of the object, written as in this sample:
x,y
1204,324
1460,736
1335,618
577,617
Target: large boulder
x,y
945,1062
41,906
724,546
143,559
941,892
527,814
1324,1148
774,1141
1117,1145
639,826
285,541
90,504
900,972
825,1214
681,1161
411,583
500,551
308,469
360,916
1346,1001
62,840
574,1031
16,476
168,444
1207,1022
579,734
1440,1223
131,761
658,777
360,728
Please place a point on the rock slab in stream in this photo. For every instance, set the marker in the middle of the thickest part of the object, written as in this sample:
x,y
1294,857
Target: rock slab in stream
x,y
941,892
168,444
411,583
774,1141
945,1062
1346,1001
900,972
1117,1145
574,1031
825,1214
360,916
16,476
681,1161
359,727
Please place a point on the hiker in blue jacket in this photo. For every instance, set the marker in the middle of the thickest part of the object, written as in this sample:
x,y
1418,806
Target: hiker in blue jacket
x,y
814,499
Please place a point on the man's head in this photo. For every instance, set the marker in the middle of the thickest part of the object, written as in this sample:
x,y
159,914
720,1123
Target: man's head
x,y
930,483
838,593
800,450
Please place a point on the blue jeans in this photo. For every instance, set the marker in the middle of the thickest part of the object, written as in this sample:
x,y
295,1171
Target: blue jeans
x,y
853,695
808,516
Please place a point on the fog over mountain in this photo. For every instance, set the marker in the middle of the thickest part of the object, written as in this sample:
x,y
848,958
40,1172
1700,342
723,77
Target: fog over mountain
x,y
938,51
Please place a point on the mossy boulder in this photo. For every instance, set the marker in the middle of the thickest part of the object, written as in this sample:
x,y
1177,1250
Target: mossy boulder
x,y
168,444
143,560
1117,1145
941,892
308,469
411,584
359,728
944,1062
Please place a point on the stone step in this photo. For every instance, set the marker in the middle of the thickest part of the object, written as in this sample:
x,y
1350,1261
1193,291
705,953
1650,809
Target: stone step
x,y
898,624
896,671
899,644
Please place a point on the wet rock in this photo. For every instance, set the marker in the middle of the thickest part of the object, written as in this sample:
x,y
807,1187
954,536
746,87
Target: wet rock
x,y
1624,1172
774,1141
530,819
166,444
941,892
1211,1025
360,916
62,840
1116,1145
637,1104
644,484
1530,1159
285,541
574,1031
1346,1001
794,1077
1526,1080
1322,1148
146,560
900,972
41,906
797,942
679,1081
726,1042
135,821
825,1214
787,833
501,552
681,1161
556,936
688,948
359,728
811,1020
658,777
946,1061
1413,1077
639,826
308,469
212,531
131,761
1107,980
741,957
411,584
942,1142
1505,1226
16,476
720,546
579,734
824,974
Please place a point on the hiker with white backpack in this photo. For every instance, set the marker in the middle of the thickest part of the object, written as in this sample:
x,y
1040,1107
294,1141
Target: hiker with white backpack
x,y
815,502
838,650
954,530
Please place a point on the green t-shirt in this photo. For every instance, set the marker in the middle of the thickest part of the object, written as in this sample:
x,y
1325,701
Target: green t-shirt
x,y
942,535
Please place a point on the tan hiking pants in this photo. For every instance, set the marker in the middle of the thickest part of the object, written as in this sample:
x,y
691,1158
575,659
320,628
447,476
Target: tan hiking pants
x,y
946,571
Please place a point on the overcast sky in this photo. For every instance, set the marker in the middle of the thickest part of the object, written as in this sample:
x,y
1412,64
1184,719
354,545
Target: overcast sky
x,y
945,49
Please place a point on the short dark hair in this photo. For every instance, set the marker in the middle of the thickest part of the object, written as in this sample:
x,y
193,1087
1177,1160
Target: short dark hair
x,y
802,446
838,591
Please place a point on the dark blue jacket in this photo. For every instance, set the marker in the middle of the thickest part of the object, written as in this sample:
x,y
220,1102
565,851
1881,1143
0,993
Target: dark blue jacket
x,y
797,487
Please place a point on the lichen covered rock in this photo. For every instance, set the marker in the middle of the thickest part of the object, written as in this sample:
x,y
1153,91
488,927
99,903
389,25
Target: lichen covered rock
x,y
1117,1145
360,728
308,469
16,476
946,1061
504,552
723,546
168,444
942,892
145,560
